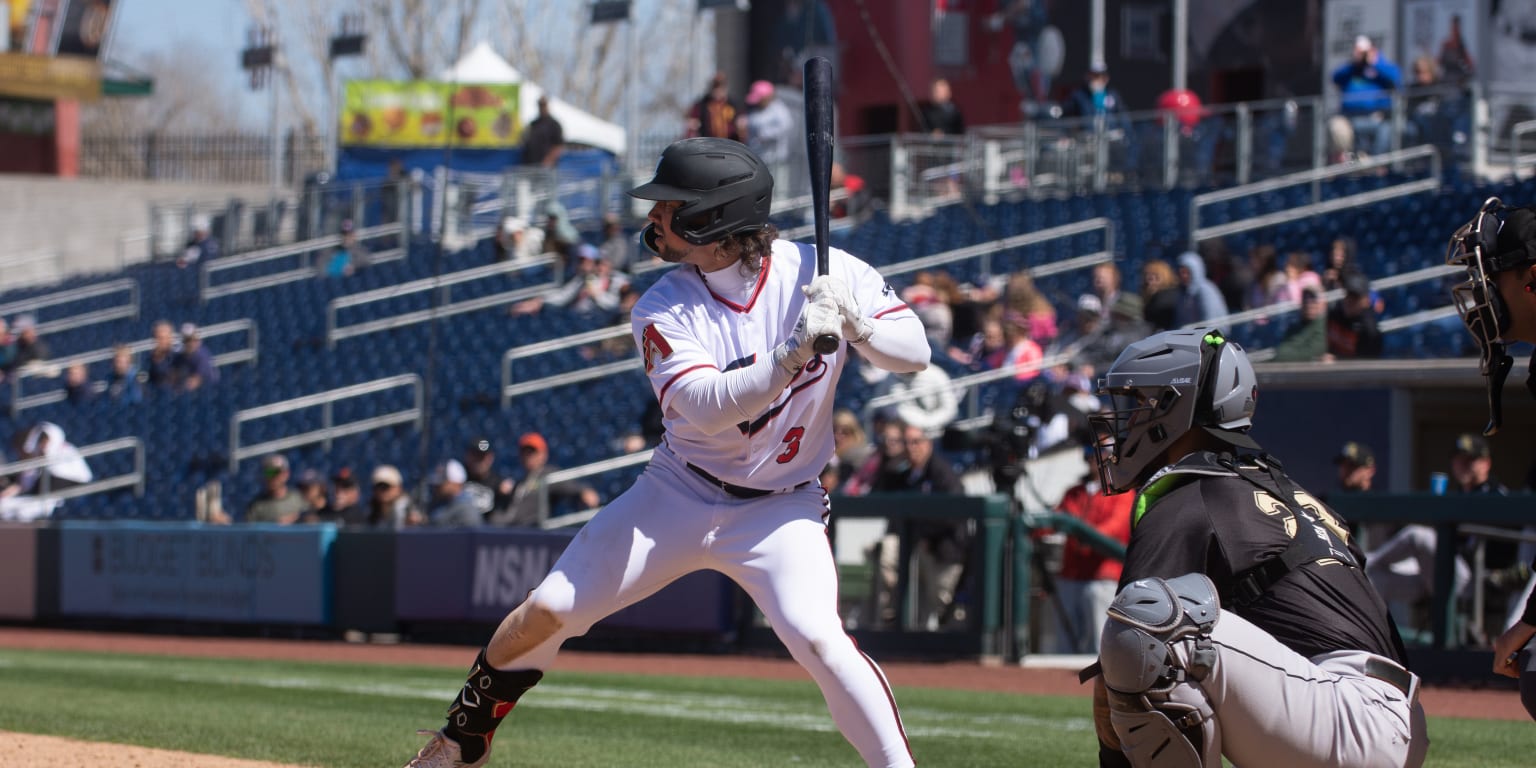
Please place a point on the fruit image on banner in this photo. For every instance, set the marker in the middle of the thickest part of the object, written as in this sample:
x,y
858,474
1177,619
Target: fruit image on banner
x,y
419,113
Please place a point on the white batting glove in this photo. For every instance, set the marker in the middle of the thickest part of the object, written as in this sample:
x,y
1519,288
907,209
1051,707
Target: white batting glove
x,y
856,328
817,318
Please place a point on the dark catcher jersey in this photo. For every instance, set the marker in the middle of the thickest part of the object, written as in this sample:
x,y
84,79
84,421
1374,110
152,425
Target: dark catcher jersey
x,y
1201,515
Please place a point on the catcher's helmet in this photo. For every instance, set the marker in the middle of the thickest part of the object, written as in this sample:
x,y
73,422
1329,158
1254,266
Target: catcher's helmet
x,y
1162,387
1498,239
724,188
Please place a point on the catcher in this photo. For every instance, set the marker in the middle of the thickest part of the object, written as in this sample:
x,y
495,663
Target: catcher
x,y
1245,626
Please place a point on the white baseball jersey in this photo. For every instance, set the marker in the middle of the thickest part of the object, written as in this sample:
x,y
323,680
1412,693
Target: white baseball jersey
x,y
691,322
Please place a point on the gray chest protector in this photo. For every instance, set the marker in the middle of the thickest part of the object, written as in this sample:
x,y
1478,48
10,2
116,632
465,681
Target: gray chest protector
x,y
1155,649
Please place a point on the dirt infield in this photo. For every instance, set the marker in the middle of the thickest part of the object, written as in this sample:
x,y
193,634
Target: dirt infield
x,y
38,750
30,749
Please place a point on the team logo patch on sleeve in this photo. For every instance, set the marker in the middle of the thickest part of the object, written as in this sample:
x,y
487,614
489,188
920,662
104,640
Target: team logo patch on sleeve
x,y
654,347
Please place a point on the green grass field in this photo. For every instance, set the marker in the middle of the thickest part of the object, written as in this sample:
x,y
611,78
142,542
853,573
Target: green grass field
x,y
356,715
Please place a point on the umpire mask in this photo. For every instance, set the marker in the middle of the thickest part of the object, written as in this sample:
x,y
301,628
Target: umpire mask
x,y
1486,246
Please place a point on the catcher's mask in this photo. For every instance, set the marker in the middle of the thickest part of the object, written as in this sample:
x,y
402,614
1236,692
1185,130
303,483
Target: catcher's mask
x,y
1161,388
1497,239
724,188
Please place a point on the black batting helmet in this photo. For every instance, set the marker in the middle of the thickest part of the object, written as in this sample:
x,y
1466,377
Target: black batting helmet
x,y
724,188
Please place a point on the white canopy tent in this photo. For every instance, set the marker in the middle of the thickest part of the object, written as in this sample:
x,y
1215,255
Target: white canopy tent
x,y
483,65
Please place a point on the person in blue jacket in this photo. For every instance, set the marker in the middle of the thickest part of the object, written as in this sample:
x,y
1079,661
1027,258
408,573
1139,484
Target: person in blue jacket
x,y
1366,84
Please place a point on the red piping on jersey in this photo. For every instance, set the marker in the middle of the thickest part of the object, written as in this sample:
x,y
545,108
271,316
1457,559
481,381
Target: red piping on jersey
x,y
890,698
755,291
662,397
884,312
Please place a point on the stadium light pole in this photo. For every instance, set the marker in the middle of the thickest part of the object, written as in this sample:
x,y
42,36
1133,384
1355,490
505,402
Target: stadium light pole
x,y
1180,43
350,40
258,58
603,12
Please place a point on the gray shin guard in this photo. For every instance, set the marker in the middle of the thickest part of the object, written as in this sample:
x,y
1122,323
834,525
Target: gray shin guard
x,y
1162,717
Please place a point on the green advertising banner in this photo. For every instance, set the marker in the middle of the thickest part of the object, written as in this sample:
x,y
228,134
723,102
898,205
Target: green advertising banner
x,y
419,113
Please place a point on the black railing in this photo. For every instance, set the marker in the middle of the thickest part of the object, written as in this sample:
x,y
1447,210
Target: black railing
x,y
218,158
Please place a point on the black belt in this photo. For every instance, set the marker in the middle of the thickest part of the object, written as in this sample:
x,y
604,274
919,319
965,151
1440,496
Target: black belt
x,y
1391,674
740,492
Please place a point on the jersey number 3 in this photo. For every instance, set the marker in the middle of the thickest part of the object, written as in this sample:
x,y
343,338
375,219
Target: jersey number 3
x,y
791,444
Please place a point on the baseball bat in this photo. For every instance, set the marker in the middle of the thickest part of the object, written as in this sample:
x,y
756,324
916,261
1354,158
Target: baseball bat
x,y
818,150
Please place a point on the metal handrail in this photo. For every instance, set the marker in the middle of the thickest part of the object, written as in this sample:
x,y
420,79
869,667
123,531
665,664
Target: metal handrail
x,y
1515,132
330,431
551,345
207,290
1017,241
335,332
1430,184
585,470
134,478
47,370
561,379
1423,275
129,310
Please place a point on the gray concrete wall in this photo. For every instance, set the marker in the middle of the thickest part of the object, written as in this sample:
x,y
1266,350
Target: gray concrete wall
x,y
93,225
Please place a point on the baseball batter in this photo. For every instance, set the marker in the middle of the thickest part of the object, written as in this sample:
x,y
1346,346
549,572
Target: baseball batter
x,y
1245,626
1497,303
726,338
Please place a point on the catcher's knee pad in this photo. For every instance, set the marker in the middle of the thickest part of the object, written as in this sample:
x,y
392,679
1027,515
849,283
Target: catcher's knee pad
x,y
1155,647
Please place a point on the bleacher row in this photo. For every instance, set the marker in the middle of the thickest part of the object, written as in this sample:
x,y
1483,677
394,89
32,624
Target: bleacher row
x,y
187,436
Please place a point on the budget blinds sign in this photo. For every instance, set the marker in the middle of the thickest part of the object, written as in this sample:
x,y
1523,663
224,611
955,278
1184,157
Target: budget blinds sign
x,y
248,574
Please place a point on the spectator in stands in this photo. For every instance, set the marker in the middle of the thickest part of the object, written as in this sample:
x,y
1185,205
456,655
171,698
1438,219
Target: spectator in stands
x,y
193,366
1307,339
125,381
162,356
7,349
1268,276
770,128
30,348
201,246
1020,353
346,498
1126,324
928,300
715,114
24,495
1087,579
390,506
940,115
543,139
1366,83
1299,276
1106,287
1199,300
78,387
1352,331
941,545
850,445
1426,119
451,504
1159,294
277,503
886,463
1095,99
533,498
349,255
317,505
1341,260
594,288
619,248
560,236
483,481
514,241
1021,296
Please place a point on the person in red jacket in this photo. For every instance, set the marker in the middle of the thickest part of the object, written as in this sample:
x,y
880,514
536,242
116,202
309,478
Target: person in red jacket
x,y
1087,581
